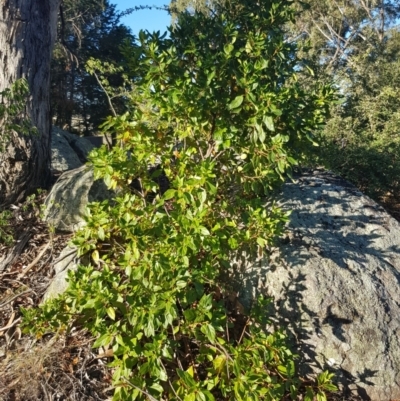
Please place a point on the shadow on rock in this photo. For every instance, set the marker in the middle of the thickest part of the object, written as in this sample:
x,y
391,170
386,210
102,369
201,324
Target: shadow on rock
x,y
335,281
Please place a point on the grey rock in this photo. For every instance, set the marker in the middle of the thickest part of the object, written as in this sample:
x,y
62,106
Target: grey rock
x,y
68,260
81,146
63,157
66,203
335,279
68,151
98,141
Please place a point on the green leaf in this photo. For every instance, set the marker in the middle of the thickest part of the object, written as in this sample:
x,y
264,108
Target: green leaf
x,y
186,378
233,243
329,387
209,331
181,284
236,102
204,231
100,233
228,49
203,196
190,315
103,340
269,123
261,135
282,369
309,396
261,241
281,165
237,368
210,77
290,368
169,194
157,387
95,256
149,328
275,110
111,312
219,363
212,188
200,396
206,302
190,397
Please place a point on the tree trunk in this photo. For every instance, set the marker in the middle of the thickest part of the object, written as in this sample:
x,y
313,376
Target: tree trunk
x,y
27,35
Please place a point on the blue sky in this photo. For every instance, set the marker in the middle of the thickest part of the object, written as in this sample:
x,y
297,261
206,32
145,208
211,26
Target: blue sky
x,y
152,20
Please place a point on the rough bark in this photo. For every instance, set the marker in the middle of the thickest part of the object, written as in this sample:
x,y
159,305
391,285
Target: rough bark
x,y
27,35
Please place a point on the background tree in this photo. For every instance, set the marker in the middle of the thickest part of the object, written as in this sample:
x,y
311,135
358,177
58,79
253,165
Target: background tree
x,y
26,42
338,30
79,102
357,46
362,139
203,6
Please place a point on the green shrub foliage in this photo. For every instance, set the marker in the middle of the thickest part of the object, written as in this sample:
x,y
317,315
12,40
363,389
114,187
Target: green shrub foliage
x,y
217,119
13,112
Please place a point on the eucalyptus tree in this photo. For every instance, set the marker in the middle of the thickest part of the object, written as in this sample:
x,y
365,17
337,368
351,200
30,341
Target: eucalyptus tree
x,y
339,29
27,34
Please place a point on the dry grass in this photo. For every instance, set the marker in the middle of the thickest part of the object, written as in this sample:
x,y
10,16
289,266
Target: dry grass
x,y
25,372
54,369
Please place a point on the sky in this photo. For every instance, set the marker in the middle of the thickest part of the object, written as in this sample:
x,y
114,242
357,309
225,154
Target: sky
x,y
151,20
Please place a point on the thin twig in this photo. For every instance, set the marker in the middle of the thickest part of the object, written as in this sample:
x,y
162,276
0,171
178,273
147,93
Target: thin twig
x,y
244,330
114,113
200,150
227,328
10,322
36,260
137,388
59,259
46,393
170,384
10,325
166,211
14,297
15,252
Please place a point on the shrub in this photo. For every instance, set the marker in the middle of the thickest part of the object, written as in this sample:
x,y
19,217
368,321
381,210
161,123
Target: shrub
x,y
12,108
217,120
